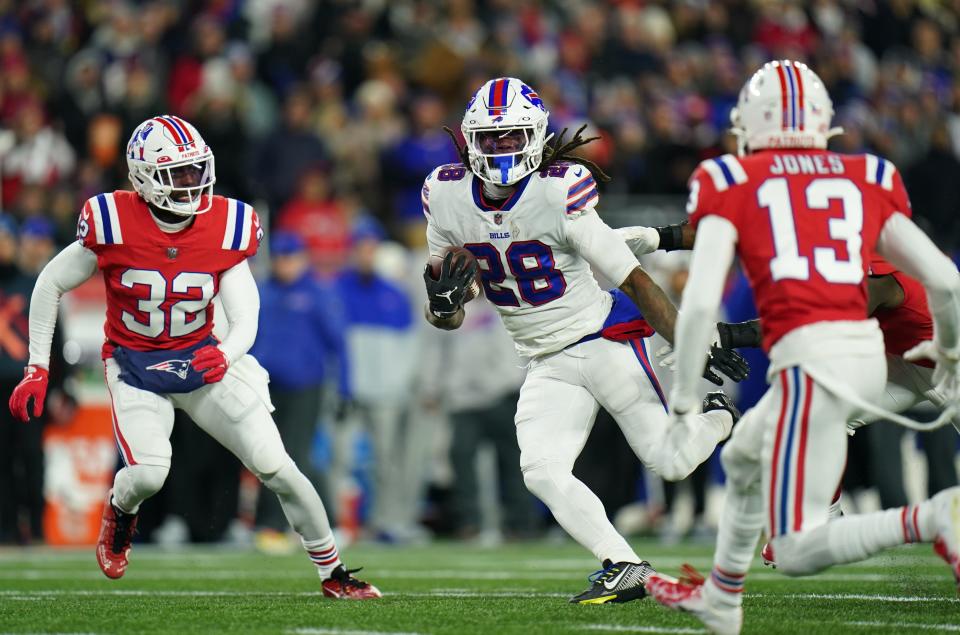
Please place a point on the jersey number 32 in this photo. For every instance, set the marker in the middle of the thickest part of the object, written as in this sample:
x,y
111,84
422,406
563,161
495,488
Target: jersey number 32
x,y
182,318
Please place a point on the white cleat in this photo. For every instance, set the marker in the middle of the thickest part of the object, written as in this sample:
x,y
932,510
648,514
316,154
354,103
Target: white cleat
x,y
947,542
687,595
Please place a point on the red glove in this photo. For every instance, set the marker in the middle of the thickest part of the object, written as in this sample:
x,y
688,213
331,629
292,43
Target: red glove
x,y
212,360
33,384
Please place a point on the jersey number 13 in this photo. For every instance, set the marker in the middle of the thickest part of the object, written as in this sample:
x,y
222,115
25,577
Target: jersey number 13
x,y
788,264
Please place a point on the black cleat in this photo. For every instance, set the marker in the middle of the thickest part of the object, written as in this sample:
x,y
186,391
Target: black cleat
x,y
718,400
619,582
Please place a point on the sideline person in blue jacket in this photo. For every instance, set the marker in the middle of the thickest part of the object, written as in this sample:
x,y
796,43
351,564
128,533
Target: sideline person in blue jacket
x,y
300,342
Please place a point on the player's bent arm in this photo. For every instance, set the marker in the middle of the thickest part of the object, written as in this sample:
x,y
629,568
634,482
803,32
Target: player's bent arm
x,y
451,323
712,257
609,256
241,306
67,270
910,250
656,307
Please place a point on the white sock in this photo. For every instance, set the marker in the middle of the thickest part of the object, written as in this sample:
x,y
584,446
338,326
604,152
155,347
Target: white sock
x,y
854,538
741,522
579,511
324,554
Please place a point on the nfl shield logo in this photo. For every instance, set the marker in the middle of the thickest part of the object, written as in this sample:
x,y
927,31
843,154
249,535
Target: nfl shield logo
x,y
498,218
172,253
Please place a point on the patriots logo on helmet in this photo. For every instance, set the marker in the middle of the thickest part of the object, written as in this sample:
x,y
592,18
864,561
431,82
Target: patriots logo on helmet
x,y
179,367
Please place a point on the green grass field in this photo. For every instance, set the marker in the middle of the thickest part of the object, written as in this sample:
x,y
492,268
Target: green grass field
x,y
446,588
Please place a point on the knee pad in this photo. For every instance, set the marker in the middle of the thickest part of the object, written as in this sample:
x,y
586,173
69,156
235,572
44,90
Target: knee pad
x,y
742,472
542,477
268,458
136,483
283,480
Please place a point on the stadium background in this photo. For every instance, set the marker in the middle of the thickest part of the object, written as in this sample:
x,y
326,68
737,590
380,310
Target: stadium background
x,y
327,116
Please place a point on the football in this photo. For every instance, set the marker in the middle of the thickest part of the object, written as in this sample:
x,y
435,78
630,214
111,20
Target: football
x,y
458,252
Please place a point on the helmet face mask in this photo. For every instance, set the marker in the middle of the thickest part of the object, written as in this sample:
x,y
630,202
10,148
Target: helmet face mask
x,y
783,105
171,167
505,127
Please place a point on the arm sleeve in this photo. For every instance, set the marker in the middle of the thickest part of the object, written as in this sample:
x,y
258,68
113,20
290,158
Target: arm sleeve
x,y
712,257
641,240
910,250
241,305
601,246
68,270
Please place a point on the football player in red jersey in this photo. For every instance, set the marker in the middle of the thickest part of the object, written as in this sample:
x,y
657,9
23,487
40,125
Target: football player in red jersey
x,y
165,250
805,223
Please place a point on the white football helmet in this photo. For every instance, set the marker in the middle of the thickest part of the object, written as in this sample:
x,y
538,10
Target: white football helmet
x,y
171,167
784,105
505,127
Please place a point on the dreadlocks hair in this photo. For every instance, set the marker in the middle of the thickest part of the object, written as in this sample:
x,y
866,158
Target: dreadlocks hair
x,y
554,151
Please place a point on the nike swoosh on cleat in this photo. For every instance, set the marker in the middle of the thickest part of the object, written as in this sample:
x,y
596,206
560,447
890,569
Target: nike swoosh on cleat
x,y
607,583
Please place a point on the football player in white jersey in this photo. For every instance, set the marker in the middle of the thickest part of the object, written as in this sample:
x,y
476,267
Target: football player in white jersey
x,y
527,211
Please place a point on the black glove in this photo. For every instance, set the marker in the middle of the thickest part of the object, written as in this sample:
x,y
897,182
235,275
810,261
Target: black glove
x,y
740,334
728,362
446,294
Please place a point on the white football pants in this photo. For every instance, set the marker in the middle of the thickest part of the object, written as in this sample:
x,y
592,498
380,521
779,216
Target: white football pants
x,y
558,403
235,412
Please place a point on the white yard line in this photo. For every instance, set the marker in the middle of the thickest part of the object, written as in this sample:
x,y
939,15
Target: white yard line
x,y
952,628
857,596
638,629
337,631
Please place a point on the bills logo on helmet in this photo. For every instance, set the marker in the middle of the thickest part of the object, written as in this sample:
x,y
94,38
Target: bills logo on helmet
x,y
179,367
532,97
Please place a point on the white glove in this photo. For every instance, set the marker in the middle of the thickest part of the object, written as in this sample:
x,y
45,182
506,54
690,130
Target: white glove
x,y
946,374
667,357
640,240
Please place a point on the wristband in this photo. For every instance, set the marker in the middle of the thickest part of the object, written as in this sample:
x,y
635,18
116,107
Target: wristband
x,y
671,236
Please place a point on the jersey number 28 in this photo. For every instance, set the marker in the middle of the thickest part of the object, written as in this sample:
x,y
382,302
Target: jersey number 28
x,y
788,264
532,264
184,317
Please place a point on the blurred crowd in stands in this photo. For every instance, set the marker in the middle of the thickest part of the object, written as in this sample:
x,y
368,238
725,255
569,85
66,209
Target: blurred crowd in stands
x,y
327,115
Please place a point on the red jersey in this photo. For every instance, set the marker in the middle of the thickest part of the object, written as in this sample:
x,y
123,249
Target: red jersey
x,y
807,224
908,324
160,285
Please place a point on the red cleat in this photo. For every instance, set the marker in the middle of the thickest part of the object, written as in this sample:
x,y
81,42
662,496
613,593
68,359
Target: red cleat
x,y
766,554
686,594
341,585
113,545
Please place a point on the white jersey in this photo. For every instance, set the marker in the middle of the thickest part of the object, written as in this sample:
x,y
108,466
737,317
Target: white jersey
x,y
535,251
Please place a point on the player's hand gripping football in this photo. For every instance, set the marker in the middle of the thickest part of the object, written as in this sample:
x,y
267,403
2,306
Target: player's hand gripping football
x,y
212,360
447,294
32,386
